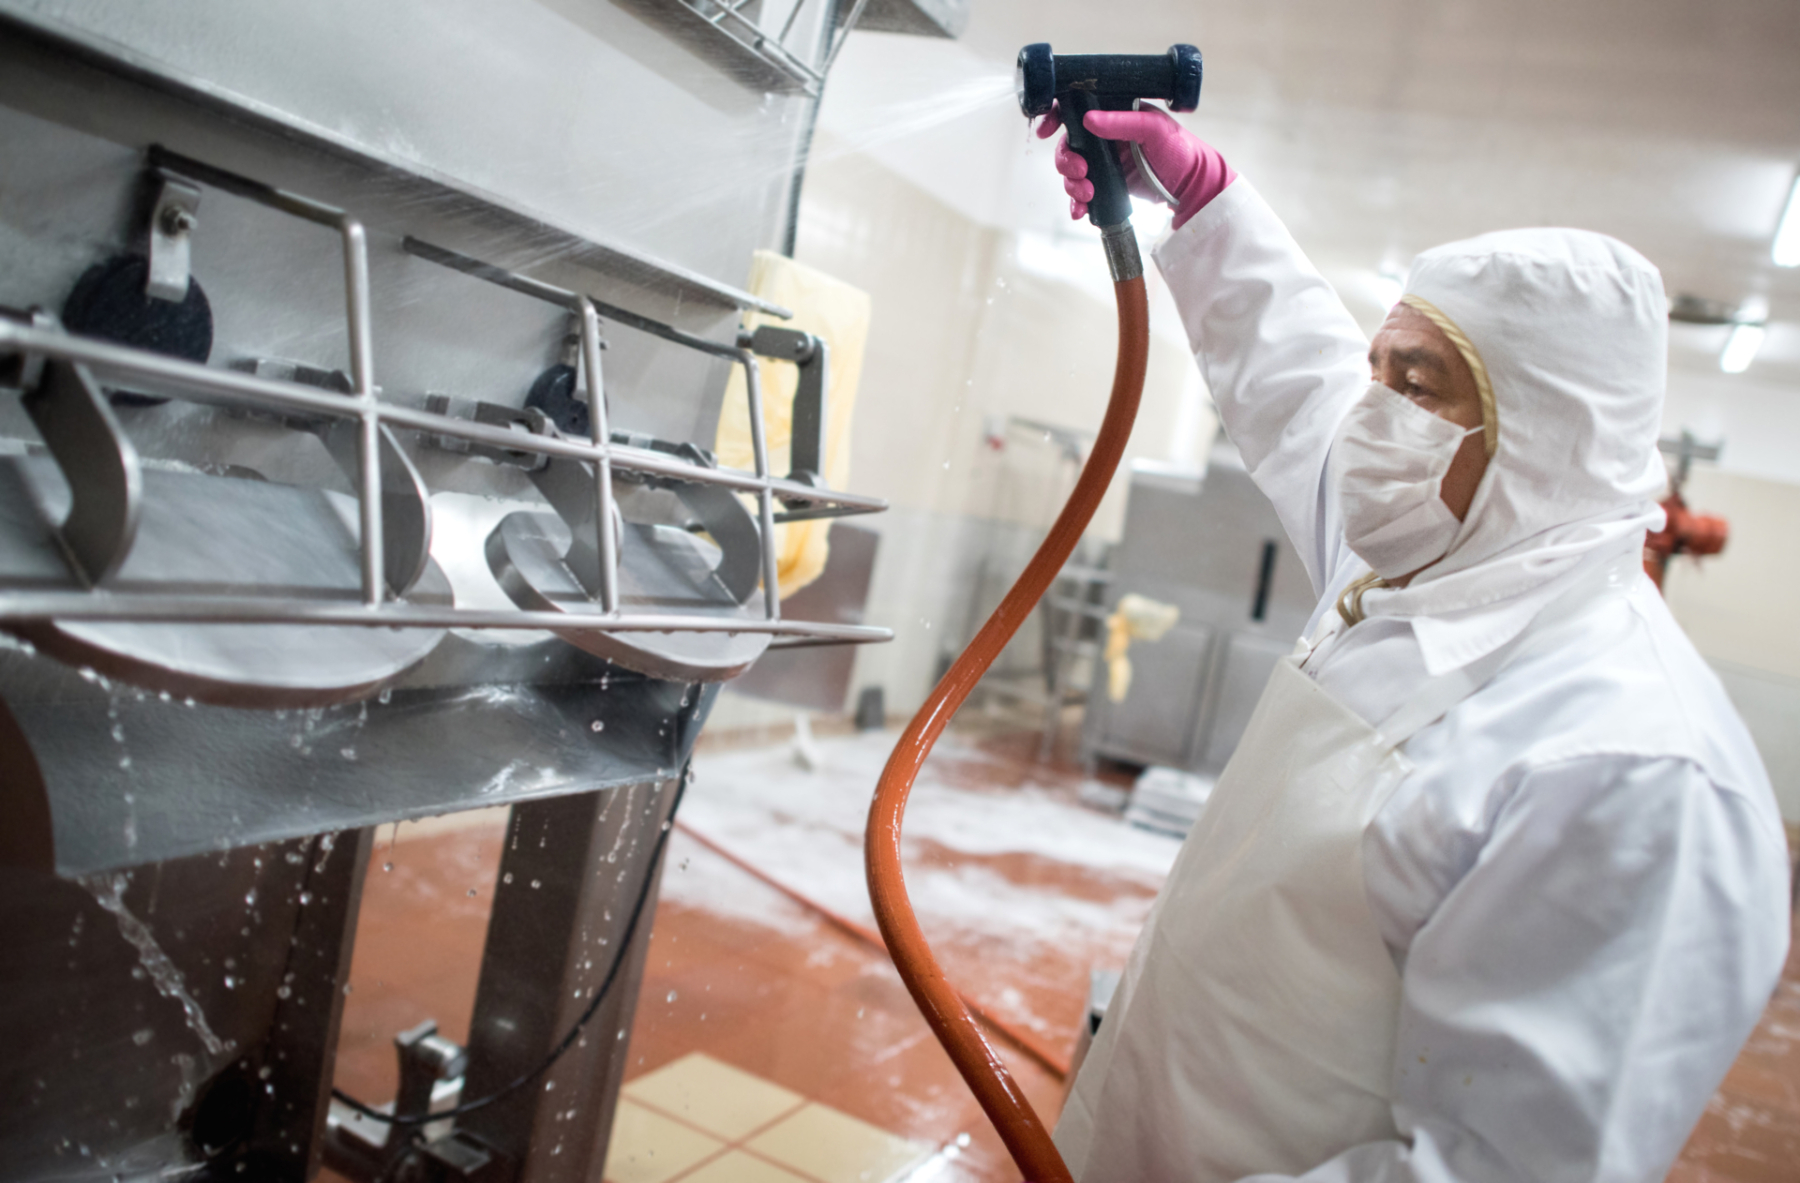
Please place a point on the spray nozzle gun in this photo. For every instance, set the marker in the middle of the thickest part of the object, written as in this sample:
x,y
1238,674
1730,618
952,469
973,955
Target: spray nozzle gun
x,y
1083,82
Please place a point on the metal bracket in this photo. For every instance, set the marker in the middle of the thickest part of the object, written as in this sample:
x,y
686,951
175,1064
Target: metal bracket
x,y
106,482
426,1058
406,502
525,420
568,486
431,1073
806,452
172,223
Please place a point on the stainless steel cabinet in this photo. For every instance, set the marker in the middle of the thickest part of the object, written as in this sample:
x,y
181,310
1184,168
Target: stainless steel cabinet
x,y
1211,545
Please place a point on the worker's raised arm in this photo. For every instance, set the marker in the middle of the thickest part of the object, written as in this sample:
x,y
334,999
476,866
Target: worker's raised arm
x,y
1282,356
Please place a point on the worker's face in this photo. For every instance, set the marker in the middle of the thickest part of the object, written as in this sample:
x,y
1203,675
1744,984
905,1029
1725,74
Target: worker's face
x,y
1411,355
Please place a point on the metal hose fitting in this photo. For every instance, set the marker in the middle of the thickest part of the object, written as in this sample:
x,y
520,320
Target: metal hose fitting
x,y
1122,251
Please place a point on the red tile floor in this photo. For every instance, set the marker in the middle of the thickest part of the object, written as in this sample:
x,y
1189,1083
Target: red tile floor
x,y
742,973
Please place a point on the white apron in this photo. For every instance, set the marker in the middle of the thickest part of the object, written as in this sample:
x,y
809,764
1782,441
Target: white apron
x,y
1254,1028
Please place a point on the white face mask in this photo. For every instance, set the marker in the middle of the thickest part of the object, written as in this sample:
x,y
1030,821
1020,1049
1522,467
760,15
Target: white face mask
x,y
1388,463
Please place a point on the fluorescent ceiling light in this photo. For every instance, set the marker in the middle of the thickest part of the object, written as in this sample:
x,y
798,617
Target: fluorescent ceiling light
x,y
1740,348
1786,248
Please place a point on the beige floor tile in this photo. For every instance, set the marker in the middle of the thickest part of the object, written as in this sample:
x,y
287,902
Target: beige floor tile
x,y
722,1100
836,1148
650,1148
737,1167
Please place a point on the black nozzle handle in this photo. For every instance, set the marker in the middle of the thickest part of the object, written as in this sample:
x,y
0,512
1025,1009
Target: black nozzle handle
x,y
1111,203
1117,78
1083,82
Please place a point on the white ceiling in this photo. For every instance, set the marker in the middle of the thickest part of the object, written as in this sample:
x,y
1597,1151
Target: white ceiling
x,y
1381,128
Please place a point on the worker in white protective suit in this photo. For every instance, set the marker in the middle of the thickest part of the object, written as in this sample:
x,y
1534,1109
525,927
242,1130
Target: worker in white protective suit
x,y
1494,887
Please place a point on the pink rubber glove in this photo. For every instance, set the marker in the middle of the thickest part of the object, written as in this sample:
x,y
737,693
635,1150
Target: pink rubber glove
x,y
1192,169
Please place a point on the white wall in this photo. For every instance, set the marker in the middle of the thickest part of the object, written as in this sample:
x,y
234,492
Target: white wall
x,y
1742,610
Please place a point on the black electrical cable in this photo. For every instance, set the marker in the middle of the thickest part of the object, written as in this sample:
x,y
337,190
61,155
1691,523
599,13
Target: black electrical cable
x,y
568,1041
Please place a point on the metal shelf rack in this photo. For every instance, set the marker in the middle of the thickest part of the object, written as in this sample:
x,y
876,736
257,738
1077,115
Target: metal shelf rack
x,y
27,343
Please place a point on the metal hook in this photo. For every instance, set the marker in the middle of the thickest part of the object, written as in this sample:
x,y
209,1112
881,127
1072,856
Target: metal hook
x,y
106,482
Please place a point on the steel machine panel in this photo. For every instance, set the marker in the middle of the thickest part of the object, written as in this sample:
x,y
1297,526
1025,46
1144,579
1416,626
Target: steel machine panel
x,y
300,306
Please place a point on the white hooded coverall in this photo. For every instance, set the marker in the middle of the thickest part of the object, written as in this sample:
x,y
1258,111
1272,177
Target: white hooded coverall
x,y
1581,876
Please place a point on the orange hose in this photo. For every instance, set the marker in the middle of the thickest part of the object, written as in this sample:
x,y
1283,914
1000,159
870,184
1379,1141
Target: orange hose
x,y
1058,1065
1018,1124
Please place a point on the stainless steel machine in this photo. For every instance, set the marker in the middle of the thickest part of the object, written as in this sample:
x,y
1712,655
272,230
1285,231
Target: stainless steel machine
x,y
1210,544
358,368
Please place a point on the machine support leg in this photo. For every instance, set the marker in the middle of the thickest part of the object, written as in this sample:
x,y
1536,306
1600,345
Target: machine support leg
x,y
301,1051
571,872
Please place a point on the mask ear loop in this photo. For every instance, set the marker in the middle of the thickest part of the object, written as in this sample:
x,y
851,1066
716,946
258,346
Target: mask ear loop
x,y
1349,604
1143,166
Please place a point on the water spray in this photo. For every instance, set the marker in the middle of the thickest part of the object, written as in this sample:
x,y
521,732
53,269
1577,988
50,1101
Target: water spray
x,y
1076,84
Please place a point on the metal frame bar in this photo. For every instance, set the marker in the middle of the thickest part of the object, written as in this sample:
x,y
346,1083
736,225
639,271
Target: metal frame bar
x,y
230,388
765,498
164,609
770,49
774,50
199,383
601,433
837,46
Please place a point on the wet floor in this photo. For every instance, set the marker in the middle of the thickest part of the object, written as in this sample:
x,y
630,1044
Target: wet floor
x,y
1021,889
1750,1132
